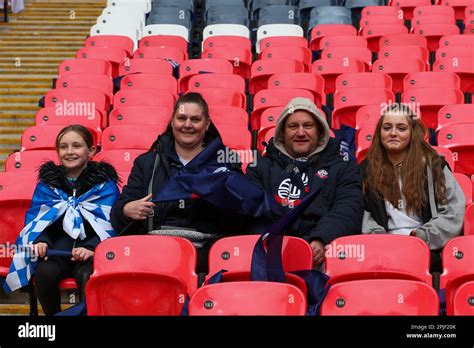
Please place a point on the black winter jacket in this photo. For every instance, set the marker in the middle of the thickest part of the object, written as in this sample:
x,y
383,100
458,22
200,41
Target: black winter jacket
x,y
197,214
55,175
336,211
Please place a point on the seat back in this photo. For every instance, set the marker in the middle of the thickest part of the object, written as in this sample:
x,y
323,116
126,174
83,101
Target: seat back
x,y
381,297
360,257
248,298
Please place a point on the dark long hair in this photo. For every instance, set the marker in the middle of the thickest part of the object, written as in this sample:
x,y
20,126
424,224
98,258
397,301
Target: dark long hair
x,y
192,98
382,177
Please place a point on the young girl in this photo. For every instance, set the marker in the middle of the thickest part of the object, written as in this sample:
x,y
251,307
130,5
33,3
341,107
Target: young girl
x,y
70,211
408,187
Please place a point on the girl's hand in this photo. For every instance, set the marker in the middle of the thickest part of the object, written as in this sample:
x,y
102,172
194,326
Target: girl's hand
x,y
81,254
40,249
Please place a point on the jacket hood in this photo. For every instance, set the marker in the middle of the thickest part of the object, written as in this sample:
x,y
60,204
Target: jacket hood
x,y
307,105
95,173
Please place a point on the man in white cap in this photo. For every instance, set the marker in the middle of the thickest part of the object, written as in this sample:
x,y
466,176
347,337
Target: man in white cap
x,y
302,158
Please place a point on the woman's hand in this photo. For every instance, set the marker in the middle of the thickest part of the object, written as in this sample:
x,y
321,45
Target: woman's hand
x,y
139,209
81,254
40,249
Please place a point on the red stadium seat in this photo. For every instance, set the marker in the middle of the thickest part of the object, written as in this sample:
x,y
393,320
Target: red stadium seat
x,y
458,5
381,297
363,140
129,284
367,114
29,161
248,298
408,6
469,221
101,82
229,115
431,79
300,54
228,81
369,11
455,51
119,41
15,199
373,33
458,113
161,52
267,125
131,136
112,54
262,70
458,258
456,40
363,80
122,160
283,41
322,30
330,69
166,82
466,185
234,137
234,254
144,97
462,66
76,101
432,19
358,257
458,138
49,116
44,137
201,66
377,20
348,101
447,154
360,53
225,41
85,66
143,115
431,10
403,40
342,41
308,81
222,97
430,101
434,32
413,52
268,98
148,66
240,58
463,300
398,68
165,40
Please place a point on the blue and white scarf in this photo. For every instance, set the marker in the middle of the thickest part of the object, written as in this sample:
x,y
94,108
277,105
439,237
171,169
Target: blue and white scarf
x,y
48,205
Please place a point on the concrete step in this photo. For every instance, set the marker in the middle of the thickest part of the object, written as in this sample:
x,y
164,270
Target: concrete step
x,y
22,92
18,107
44,48
23,64
17,85
65,42
15,100
46,71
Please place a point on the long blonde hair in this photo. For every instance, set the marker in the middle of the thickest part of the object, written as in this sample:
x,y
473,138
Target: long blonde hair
x,y
382,177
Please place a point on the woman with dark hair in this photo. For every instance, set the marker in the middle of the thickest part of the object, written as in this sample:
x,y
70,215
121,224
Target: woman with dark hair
x,y
188,133
408,188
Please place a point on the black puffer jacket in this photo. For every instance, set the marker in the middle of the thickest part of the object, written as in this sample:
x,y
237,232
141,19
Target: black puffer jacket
x,y
55,175
197,214
336,211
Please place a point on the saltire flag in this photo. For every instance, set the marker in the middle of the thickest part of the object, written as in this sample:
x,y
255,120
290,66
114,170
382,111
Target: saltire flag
x,y
209,178
48,205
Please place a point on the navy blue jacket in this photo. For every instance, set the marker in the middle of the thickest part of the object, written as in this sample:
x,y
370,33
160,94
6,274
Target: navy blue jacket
x,y
337,210
197,214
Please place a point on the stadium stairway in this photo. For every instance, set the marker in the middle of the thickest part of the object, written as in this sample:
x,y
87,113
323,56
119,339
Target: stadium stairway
x,y
32,45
